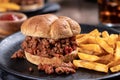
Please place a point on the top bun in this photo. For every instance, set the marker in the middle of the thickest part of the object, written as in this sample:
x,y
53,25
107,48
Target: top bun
x,y
50,26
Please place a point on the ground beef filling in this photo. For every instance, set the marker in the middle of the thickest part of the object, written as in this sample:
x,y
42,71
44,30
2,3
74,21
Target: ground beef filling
x,y
48,47
57,51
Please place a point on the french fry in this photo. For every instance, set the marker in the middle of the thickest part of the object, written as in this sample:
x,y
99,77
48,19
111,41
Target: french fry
x,y
91,65
95,33
111,40
80,36
84,39
85,51
91,47
10,6
114,63
105,59
3,9
99,51
117,51
115,68
104,45
91,40
88,57
105,34
99,54
4,1
118,37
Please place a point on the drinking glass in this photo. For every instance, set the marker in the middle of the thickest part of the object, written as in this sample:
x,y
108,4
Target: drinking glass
x,y
109,12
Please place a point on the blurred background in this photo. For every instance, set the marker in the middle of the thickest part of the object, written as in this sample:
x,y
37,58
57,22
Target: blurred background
x,y
83,11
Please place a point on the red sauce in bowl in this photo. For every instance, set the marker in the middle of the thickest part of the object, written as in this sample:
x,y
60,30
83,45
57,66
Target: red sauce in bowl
x,y
9,17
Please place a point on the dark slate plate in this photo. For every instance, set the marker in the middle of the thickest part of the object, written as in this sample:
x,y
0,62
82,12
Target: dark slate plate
x,y
20,67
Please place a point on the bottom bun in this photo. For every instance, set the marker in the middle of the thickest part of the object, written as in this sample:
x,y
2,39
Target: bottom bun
x,y
34,59
42,60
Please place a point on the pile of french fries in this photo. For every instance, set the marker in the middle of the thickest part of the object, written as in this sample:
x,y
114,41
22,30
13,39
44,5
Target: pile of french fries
x,y
99,51
6,5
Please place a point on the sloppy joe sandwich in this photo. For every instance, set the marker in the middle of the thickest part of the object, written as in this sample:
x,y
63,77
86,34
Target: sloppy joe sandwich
x,y
50,43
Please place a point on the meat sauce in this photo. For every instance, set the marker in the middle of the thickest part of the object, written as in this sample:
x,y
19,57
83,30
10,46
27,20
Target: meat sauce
x,y
48,47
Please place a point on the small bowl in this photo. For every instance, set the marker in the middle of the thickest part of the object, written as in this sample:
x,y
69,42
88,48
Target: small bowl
x,y
8,27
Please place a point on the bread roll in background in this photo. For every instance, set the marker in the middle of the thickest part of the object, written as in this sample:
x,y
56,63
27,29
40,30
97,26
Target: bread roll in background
x,y
29,5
